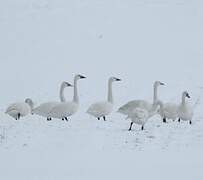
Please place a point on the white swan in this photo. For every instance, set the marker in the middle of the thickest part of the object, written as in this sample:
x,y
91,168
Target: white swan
x,y
128,108
185,111
102,109
168,111
138,116
18,110
45,108
66,109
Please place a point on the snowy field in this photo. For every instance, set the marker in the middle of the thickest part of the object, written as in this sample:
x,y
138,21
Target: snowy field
x,y
45,42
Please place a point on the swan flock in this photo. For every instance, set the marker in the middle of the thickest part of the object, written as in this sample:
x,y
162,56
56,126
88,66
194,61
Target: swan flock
x,y
137,111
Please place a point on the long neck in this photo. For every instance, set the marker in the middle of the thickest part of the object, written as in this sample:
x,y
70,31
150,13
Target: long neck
x,y
183,99
75,96
110,94
62,96
155,94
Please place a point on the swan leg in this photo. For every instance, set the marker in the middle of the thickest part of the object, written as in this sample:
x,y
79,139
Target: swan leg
x,y
190,122
104,118
98,118
131,124
62,119
142,128
48,119
179,120
164,120
66,118
18,116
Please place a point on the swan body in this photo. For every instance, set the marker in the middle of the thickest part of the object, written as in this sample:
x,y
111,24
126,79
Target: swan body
x,y
139,116
168,111
139,111
18,110
102,109
130,106
44,109
66,109
185,110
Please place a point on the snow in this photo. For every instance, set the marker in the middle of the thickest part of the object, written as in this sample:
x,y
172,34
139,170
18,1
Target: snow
x,y
45,42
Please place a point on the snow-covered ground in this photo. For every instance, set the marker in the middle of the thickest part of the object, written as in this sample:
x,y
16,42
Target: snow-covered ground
x,y
44,42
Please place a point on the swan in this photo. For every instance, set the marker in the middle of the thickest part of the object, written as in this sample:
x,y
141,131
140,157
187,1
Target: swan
x,y
130,106
138,116
21,109
168,111
185,111
102,109
45,108
64,110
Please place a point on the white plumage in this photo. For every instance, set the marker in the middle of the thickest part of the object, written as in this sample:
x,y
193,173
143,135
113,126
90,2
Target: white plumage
x,y
66,109
45,108
102,109
139,116
21,109
143,104
185,110
168,111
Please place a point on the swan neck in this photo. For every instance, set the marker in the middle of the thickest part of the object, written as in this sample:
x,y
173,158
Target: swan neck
x,y
75,96
62,96
155,94
110,93
183,99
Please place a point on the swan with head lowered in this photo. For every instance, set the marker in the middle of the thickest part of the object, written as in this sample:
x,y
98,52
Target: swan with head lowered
x,y
168,111
44,109
139,111
102,109
130,106
18,110
185,110
64,110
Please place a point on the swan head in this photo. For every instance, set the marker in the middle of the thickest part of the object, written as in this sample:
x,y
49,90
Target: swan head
x,y
29,102
158,83
113,79
66,84
186,94
78,76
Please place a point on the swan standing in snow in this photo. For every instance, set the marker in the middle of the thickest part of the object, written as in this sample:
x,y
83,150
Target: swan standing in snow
x,y
185,111
128,108
102,109
64,110
138,116
168,111
45,108
139,111
18,110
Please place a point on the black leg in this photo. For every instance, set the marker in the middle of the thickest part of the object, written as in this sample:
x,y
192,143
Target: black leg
x,y
179,120
131,124
164,120
18,116
66,118
142,128
48,119
98,118
104,118
190,122
62,119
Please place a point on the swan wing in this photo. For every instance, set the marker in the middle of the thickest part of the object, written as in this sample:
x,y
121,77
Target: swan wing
x,y
100,109
45,108
63,110
130,106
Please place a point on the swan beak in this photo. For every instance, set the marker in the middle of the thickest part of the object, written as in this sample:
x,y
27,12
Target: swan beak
x,y
162,84
118,79
82,77
188,96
